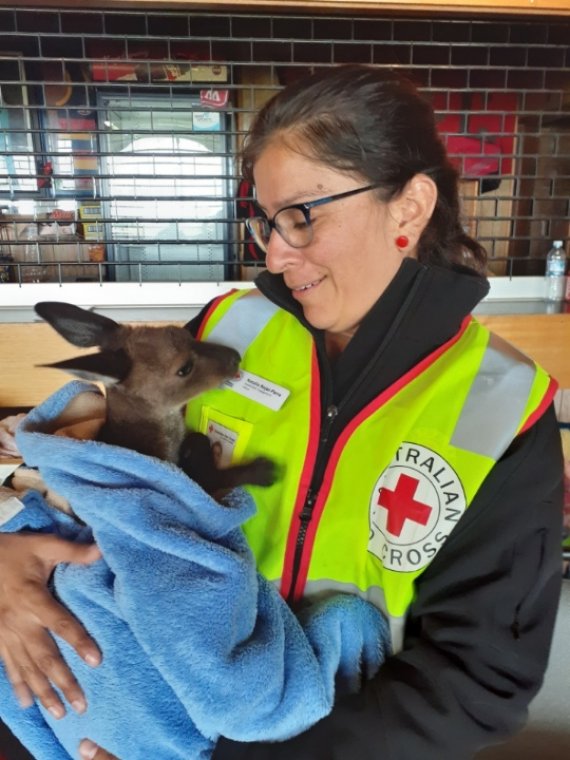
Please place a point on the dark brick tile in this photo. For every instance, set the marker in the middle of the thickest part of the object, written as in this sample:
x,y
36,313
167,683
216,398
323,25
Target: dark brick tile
x,y
209,26
488,78
332,29
131,24
508,56
372,29
293,28
79,23
473,55
525,79
554,80
61,47
250,28
309,52
528,34
7,21
548,57
451,31
559,33
227,50
392,54
437,55
272,51
487,31
449,78
113,48
412,30
352,53
168,25
26,45
37,21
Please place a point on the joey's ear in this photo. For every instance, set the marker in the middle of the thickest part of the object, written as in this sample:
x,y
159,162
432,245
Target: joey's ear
x,y
78,326
107,367
413,207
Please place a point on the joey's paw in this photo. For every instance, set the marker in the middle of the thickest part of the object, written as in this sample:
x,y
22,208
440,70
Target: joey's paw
x,y
263,472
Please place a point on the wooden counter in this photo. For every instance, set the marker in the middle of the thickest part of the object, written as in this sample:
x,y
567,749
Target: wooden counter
x,y
544,337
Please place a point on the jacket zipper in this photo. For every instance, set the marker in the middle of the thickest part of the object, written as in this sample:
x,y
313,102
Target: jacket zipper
x,y
312,494
332,412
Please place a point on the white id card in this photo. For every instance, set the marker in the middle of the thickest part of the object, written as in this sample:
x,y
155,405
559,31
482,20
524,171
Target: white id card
x,y
258,389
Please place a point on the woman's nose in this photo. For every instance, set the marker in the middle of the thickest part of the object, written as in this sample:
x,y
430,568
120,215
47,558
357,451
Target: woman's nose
x,y
279,254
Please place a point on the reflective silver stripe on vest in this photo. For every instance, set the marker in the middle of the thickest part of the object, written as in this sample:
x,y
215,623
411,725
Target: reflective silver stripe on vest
x,y
243,322
494,407
374,595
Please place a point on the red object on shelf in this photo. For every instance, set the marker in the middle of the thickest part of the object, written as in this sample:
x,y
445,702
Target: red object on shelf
x,y
478,131
476,157
151,63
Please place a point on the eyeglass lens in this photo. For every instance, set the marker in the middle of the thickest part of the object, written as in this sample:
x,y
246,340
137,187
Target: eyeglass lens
x,y
289,222
293,223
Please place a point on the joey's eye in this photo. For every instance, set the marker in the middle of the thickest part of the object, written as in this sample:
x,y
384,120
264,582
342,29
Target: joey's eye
x,y
186,369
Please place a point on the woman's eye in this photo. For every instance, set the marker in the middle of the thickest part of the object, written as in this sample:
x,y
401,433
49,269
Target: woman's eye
x,y
186,369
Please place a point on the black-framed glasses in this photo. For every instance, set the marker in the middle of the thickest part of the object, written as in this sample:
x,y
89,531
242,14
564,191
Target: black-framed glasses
x,y
293,223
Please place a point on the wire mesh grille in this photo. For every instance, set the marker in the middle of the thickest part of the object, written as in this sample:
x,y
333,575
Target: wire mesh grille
x,y
119,132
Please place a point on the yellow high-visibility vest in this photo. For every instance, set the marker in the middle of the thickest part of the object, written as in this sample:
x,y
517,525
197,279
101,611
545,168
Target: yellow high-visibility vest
x,y
399,476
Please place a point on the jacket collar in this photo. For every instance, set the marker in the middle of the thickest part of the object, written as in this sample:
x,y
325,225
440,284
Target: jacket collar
x,y
437,297
422,307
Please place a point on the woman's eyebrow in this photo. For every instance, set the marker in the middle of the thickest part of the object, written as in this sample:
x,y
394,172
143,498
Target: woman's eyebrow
x,y
304,196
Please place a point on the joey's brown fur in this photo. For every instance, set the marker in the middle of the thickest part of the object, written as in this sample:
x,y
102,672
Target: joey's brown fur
x,y
150,373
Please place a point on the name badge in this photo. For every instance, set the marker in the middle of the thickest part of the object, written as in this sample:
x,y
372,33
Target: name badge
x,y
258,389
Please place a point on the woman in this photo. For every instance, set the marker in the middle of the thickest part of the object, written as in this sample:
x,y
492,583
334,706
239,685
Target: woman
x,y
421,456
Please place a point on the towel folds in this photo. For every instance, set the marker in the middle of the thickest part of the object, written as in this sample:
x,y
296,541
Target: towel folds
x,y
196,644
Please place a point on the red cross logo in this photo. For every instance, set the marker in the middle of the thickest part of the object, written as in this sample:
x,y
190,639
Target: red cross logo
x,y
402,506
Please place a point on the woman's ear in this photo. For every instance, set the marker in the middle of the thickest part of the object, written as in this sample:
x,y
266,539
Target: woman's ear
x,y
413,208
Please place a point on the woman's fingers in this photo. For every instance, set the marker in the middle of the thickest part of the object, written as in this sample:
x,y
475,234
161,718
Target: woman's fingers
x,y
54,550
25,598
54,617
29,615
21,689
88,750
28,682
8,427
34,666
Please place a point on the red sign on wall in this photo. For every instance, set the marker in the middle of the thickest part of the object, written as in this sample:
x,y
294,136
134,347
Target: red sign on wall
x,y
479,136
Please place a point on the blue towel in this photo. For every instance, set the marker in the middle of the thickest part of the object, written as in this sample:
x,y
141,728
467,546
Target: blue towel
x,y
196,644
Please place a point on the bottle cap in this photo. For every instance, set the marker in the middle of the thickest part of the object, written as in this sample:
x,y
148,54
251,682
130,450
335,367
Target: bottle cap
x,y
558,243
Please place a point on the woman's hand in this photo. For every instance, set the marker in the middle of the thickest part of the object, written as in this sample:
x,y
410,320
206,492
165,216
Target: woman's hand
x,y
28,612
8,427
88,750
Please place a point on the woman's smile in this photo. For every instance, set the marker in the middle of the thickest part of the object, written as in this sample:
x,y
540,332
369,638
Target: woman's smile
x,y
300,291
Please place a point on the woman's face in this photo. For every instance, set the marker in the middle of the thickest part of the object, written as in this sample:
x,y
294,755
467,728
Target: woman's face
x,y
352,257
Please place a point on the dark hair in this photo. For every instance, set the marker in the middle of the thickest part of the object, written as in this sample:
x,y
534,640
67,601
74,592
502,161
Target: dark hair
x,y
373,123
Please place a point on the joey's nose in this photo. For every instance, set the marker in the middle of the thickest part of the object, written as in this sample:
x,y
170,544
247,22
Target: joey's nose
x,y
233,361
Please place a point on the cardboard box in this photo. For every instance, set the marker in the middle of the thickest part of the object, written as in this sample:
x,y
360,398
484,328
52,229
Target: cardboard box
x,y
90,211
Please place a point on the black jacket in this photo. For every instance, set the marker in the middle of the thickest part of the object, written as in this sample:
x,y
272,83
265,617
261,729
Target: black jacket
x,y
479,631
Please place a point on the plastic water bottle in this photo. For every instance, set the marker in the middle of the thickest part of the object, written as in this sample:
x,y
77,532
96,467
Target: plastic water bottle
x,y
555,275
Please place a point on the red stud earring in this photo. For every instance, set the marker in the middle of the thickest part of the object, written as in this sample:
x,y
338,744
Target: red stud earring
x,y
402,241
